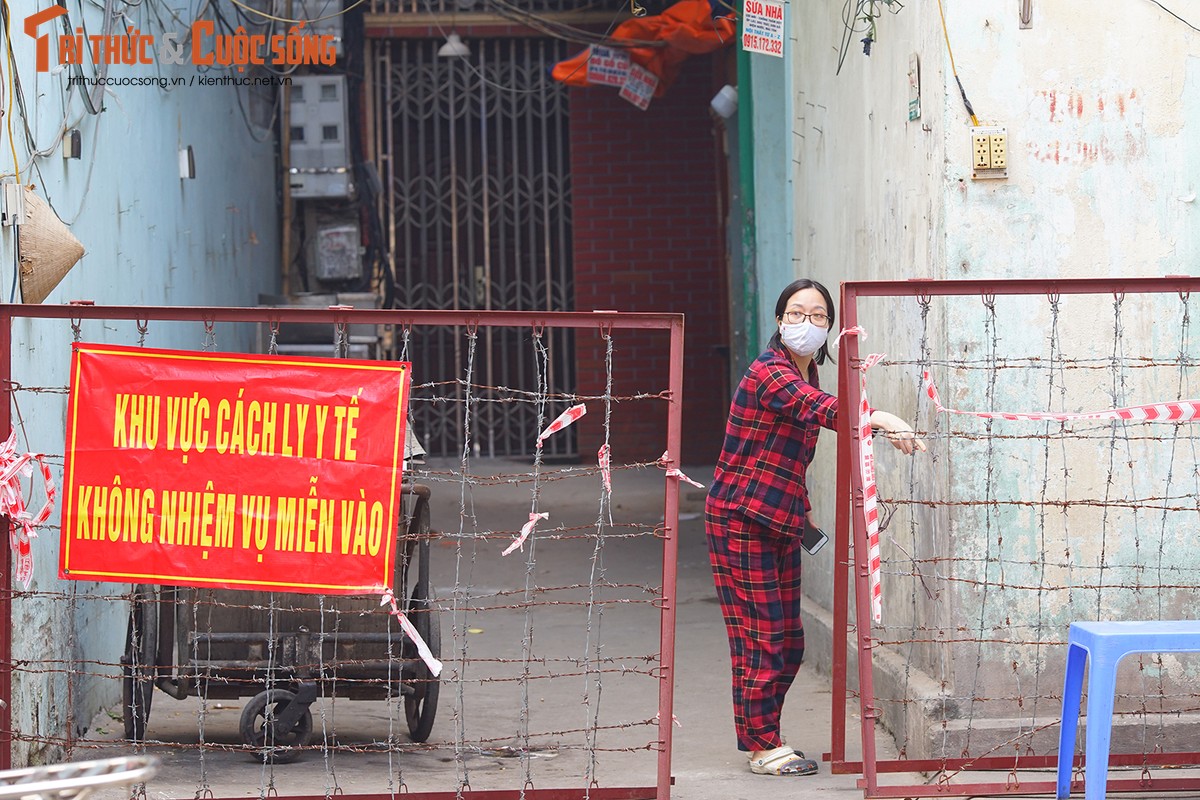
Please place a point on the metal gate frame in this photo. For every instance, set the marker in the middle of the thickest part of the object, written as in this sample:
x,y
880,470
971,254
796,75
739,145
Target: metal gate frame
x,y
854,528
602,322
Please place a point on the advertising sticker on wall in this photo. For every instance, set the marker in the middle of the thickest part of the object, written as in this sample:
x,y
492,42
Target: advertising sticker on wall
x,y
762,28
639,86
607,66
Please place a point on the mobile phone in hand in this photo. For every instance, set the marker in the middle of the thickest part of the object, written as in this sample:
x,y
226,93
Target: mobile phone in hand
x,y
813,538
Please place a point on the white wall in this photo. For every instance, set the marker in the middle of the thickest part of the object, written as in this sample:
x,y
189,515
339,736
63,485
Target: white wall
x,y
151,238
869,183
1100,110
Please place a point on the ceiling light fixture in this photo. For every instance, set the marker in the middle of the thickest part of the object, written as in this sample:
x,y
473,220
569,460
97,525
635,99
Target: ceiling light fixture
x,y
454,48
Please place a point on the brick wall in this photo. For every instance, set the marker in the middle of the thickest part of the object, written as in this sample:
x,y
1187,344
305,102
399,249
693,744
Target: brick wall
x,y
648,236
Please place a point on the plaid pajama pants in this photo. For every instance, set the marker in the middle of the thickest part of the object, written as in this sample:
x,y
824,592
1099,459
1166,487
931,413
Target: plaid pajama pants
x,y
757,573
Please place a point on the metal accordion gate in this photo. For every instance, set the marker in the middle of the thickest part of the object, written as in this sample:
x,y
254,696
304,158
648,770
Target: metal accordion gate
x,y
473,156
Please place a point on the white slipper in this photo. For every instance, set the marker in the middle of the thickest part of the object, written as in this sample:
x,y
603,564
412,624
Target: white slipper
x,y
783,761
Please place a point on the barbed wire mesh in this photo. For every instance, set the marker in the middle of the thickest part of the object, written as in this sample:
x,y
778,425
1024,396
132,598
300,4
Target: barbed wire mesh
x,y
201,678
1009,530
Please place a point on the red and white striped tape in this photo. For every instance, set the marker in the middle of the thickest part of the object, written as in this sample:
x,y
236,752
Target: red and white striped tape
x,y
665,459
866,466
435,666
604,459
1175,411
12,503
563,420
526,529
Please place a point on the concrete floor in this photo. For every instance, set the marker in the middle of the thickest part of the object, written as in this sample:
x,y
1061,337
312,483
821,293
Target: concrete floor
x,y
484,710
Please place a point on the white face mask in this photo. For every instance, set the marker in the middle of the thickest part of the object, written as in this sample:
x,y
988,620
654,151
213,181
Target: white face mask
x,y
803,338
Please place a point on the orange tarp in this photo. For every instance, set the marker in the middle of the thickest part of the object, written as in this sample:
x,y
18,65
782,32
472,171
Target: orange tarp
x,y
687,28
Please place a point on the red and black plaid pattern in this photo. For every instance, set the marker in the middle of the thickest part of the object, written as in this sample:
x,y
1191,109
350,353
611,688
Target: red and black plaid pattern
x,y
757,572
770,438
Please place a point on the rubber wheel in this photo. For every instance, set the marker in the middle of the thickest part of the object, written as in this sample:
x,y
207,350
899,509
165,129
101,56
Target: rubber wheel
x,y
258,727
420,707
138,664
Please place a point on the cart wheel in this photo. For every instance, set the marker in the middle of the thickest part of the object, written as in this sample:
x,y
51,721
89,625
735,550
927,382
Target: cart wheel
x,y
258,726
138,663
420,707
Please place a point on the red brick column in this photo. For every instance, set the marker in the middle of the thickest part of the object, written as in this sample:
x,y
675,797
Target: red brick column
x,y
648,236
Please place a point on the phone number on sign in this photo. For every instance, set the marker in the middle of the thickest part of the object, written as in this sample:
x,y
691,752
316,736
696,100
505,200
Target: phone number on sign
x,y
762,44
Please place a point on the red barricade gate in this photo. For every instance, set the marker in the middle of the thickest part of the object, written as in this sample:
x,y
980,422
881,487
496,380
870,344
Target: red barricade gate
x,y
1060,485
242,609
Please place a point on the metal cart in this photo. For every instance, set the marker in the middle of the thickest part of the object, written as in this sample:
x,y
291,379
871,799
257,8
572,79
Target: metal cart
x,y
229,644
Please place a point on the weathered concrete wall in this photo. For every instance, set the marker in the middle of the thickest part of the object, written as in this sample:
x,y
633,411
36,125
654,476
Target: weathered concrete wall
x,y
151,238
1101,182
868,202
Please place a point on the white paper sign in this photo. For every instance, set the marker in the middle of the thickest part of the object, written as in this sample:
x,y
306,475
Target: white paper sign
x,y
762,28
914,87
639,86
607,66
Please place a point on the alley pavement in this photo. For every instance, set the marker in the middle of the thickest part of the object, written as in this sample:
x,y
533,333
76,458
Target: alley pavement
x,y
706,763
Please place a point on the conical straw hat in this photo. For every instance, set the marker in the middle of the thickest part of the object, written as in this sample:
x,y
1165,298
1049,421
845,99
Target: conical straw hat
x,y
47,249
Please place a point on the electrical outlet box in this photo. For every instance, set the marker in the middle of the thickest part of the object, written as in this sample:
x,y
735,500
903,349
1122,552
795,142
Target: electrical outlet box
x,y
982,149
14,204
989,152
999,145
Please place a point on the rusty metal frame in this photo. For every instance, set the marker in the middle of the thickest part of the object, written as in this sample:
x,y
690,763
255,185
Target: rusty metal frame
x,y
600,321
851,527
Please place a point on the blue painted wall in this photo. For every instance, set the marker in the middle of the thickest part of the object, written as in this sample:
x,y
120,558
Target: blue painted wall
x,y
151,238
771,82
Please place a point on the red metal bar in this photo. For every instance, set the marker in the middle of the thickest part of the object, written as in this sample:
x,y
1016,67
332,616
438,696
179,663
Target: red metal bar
x,y
848,406
383,28
666,704
912,288
6,560
1015,786
368,316
841,572
622,793
1022,762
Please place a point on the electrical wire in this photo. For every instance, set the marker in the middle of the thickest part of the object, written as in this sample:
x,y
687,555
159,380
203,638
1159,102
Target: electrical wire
x,y
954,69
1176,16
566,32
512,89
849,30
265,15
12,70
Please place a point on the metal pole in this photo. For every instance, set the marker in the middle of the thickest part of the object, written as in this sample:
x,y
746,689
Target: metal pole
x,y
841,560
848,406
6,615
745,122
670,556
285,161
365,316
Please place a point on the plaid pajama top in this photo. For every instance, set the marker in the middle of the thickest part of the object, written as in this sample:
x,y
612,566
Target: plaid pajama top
x,y
770,439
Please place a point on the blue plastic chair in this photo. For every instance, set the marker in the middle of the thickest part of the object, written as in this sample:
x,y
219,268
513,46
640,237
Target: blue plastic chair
x,y
1104,644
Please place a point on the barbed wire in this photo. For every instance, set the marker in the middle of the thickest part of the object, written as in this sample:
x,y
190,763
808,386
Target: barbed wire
x,y
295,638
1010,530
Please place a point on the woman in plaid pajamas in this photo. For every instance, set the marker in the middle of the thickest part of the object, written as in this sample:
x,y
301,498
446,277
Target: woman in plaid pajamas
x,y
756,512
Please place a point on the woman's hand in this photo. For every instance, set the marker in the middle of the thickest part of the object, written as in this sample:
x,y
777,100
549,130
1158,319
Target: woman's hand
x,y
897,431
